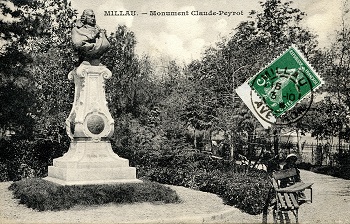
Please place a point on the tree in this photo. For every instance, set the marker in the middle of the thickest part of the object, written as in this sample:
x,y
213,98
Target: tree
x,y
53,58
34,89
336,75
15,30
40,29
253,45
268,34
124,64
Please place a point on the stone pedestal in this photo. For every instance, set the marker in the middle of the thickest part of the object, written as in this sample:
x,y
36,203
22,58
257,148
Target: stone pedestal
x,y
90,158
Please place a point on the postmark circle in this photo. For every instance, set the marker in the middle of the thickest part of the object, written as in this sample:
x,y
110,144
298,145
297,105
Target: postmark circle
x,y
293,99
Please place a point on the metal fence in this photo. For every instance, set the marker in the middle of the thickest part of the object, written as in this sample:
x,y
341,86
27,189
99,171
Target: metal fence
x,y
322,154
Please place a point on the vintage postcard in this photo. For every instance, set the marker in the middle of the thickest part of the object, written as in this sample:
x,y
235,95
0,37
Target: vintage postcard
x,y
174,111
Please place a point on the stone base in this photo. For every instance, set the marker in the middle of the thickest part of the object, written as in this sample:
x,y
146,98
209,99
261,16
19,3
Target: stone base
x,y
88,162
95,182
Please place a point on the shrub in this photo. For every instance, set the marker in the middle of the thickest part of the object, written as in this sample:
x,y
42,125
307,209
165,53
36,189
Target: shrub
x,y
305,166
44,195
336,171
21,158
246,190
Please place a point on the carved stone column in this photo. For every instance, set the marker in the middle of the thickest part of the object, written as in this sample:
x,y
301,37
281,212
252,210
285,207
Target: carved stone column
x,y
90,158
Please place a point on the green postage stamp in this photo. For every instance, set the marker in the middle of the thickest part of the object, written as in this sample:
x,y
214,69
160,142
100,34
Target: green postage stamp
x,y
285,81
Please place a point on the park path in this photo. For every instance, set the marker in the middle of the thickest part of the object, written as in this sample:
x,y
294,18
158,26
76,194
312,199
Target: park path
x,y
331,204
331,200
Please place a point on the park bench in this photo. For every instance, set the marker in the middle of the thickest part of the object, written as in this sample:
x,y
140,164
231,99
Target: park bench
x,y
288,198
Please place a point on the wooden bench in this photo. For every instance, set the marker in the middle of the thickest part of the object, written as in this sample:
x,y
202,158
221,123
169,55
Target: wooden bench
x,y
288,198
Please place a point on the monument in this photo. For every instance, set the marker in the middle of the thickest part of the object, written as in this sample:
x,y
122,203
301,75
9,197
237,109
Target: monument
x,y
90,158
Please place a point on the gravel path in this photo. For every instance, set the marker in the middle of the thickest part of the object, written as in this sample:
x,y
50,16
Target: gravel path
x,y
331,204
331,200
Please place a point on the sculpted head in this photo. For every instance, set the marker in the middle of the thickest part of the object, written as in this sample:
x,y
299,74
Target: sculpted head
x,y
89,40
88,17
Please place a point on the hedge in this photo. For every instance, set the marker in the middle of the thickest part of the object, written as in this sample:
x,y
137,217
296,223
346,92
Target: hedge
x,y
246,189
43,195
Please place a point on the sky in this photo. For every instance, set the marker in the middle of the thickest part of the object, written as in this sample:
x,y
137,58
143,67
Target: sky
x,y
184,38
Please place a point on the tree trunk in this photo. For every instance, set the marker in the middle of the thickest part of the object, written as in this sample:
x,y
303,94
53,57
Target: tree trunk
x,y
194,138
275,142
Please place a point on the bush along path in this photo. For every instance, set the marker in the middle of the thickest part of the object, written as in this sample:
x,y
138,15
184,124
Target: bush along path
x,y
195,207
246,190
43,195
235,184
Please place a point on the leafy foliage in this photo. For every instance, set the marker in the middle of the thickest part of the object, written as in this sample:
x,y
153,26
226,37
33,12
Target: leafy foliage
x,y
233,60
247,191
35,92
21,158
